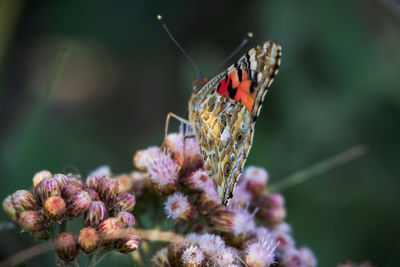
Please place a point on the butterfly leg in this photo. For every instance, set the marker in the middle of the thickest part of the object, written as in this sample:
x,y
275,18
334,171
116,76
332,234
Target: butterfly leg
x,y
170,114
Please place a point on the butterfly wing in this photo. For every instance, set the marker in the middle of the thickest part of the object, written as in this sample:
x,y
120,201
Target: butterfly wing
x,y
224,111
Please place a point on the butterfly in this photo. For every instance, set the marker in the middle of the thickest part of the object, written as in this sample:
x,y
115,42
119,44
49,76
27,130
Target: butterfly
x,y
224,110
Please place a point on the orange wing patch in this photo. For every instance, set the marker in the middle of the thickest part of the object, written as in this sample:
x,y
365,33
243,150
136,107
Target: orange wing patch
x,y
236,86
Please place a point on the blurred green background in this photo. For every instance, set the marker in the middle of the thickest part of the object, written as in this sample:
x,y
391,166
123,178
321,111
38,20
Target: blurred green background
x,y
338,86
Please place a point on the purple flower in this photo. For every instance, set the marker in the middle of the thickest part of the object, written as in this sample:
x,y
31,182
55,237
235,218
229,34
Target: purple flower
x,y
178,207
261,252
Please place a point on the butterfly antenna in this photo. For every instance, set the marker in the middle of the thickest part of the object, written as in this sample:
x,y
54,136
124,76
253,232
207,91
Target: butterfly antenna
x,y
161,20
242,44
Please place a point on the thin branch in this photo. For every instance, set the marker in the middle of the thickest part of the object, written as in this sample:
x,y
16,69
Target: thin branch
x,y
317,169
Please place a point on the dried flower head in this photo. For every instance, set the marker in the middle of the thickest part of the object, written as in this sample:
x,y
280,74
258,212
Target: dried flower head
x,y
178,207
54,208
31,220
78,204
39,176
193,158
208,200
197,181
163,171
88,239
66,246
272,209
141,158
23,200
96,213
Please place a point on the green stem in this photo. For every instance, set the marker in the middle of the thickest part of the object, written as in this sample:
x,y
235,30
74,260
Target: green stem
x,y
101,254
317,169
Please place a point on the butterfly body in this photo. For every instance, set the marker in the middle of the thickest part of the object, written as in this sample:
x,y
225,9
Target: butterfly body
x,y
223,112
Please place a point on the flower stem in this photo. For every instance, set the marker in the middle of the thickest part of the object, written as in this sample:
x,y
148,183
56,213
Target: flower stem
x,y
321,167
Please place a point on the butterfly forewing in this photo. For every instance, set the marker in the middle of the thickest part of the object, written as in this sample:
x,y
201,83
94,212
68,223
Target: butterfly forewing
x,y
224,111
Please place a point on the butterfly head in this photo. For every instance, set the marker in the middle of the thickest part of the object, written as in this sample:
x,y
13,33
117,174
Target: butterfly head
x,y
199,83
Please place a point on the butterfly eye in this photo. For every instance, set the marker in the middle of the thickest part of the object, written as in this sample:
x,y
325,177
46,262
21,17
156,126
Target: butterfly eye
x,y
227,169
232,158
236,146
239,137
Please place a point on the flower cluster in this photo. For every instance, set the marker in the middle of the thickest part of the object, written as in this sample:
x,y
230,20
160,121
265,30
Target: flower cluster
x,y
106,204
251,231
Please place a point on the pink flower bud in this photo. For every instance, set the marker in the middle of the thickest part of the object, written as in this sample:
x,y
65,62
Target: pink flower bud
x,y
93,194
88,239
96,213
127,219
78,204
124,183
70,189
54,208
125,202
197,181
271,209
9,209
46,188
66,246
93,182
255,180
62,180
24,200
128,243
109,230
31,221
39,176
108,190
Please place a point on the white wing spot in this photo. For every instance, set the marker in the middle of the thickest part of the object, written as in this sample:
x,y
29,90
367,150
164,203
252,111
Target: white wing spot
x,y
253,65
225,136
259,76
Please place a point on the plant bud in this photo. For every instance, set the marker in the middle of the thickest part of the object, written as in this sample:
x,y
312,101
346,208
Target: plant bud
x,y
54,208
109,230
125,202
24,200
208,201
108,190
93,182
62,180
192,256
39,176
128,243
222,220
127,219
197,181
78,204
41,234
93,194
75,179
124,183
66,246
96,213
70,189
88,239
255,180
271,209
46,188
31,221
9,209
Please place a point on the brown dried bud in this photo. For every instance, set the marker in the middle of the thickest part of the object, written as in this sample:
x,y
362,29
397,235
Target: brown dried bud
x,y
54,208
88,239
130,242
109,230
108,190
222,220
127,219
96,213
66,246
125,202
46,188
31,221
24,200
78,204
39,176
9,209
